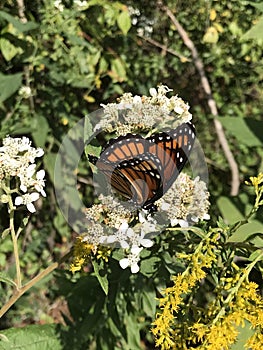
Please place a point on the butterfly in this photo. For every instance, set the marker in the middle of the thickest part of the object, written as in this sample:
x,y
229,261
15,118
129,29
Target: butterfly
x,y
143,169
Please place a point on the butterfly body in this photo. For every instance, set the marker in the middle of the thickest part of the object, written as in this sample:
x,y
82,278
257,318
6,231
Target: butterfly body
x,y
143,169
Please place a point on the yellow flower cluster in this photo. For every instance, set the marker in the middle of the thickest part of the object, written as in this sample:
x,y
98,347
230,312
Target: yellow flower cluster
x,y
215,326
83,251
165,329
257,182
221,332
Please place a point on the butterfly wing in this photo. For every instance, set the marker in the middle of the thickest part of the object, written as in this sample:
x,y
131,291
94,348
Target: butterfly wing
x,y
138,179
142,170
172,149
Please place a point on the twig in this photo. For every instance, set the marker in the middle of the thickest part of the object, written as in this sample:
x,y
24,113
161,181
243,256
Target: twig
x,y
21,13
235,182
164,48
19,292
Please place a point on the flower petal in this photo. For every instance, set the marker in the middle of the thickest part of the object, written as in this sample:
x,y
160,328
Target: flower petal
x,y
135,268
124,263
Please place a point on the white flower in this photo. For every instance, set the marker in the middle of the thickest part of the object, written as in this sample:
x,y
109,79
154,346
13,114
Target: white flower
x,y
137,99
81,3
58,4
25,91
27,199
132,261
153,92
40,182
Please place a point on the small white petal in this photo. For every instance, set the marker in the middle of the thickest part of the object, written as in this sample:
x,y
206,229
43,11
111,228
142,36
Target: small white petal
x,y
18,200
153,92
124,226
40,174
206,217
34,196
137,99
124,244
135,268
23,188
111,239
178,110
124,263
183,223
147,243
31,208
136,250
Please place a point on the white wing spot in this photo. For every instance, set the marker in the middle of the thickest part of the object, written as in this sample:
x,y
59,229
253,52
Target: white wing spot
x,y
181,160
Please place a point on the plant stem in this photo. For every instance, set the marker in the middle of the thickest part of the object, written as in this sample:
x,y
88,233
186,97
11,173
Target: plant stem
x,y
15,245
27,286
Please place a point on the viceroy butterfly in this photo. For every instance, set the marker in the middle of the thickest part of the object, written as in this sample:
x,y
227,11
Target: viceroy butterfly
x,y
143,169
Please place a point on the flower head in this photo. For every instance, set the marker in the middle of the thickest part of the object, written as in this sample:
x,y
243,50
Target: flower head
x,y
186,202
143,113
17,160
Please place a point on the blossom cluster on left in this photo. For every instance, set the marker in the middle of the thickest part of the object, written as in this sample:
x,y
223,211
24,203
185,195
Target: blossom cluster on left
x,y
19,177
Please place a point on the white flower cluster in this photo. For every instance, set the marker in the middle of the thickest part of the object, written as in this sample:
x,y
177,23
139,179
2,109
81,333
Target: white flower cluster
x,y
186,202
17,159
133,240
114,230
133,113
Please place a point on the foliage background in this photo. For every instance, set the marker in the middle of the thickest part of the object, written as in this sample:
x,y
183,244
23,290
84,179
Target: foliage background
x,y
77,58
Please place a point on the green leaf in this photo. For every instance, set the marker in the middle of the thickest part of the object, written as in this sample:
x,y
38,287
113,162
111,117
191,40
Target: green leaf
x,y
239,128
21,27
245,231
4,278
118,72
33,337
41,130
9,84
5,232
149,302
101,275
256,32
244,334
255,255
124,21
88,129
149,266
229,211
9,50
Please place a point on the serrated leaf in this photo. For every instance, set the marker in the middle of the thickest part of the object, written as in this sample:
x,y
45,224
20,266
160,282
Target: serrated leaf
x,y
33,337
101,276
9,84
124,21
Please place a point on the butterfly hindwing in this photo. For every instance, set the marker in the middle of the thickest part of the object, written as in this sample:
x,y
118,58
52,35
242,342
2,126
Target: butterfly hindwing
x,y
138,179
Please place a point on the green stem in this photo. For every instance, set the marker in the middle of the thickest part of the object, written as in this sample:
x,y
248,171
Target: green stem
x,y
15,245
19,292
